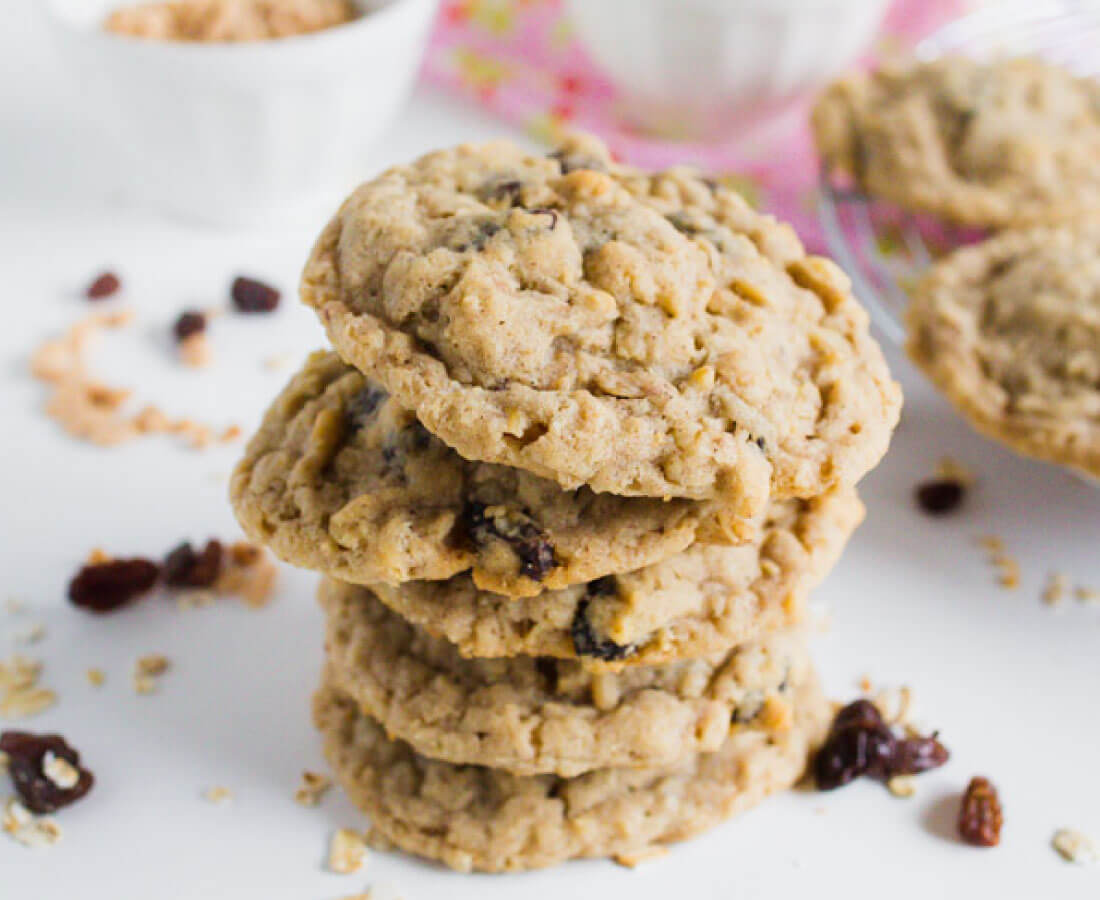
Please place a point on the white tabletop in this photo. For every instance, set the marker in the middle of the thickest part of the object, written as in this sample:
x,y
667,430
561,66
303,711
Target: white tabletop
x,y
1011,683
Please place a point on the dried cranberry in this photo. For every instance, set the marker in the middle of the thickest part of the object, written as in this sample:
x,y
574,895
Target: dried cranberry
x,y
941,496
526,540
103,286
32,775
103,587
251,296
189,323
183,567
980,816
861,743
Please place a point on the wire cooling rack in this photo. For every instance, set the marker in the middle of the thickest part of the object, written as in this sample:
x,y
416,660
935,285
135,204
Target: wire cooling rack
x,y
882,248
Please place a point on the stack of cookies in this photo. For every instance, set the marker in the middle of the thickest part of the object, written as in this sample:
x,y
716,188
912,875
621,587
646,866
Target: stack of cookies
x,y
588,438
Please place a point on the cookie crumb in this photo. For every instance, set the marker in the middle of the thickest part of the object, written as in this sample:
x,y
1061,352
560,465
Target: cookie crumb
x,y
96,677
894,704
217,794
1085,594
1006,567
1057,587
20,694
635,858
29,634
28,829
1075,847
950,469
194,351
276,362
902,785
865,684
347,852
313,788
249,573
147,672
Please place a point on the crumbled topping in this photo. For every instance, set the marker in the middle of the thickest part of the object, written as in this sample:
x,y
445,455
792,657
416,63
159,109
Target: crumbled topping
x,y
217,794
96,677
147,671
27,828
29,634
313,788
1006,567
20,694
1075,847
348,851
90,410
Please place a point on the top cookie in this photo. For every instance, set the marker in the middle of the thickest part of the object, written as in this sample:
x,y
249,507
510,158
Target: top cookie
x,y
1009,329
1011,142
640,334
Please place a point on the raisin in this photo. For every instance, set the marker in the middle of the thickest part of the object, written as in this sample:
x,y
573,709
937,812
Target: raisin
x,y
941,496
861,743
587,643
918,754
542,211
508,189
479,524
251,296
571,162
183,567
32,772
360,407
103,587
105,285
190,322
980,816
471,234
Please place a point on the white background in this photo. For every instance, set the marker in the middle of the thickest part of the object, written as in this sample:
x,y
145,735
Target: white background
x,y
1011,683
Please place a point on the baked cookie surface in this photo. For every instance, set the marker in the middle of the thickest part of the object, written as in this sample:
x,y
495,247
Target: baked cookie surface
x,y
472,817
697,603
645,335
1009,330
535,715
1009,142
342,479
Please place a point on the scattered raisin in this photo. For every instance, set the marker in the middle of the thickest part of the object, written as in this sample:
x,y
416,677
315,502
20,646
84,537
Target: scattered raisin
x,y
251,296
183,567
190,322
103,587
103,286
479,524
861,743
361,406
31,774
980,816
940,496
587,643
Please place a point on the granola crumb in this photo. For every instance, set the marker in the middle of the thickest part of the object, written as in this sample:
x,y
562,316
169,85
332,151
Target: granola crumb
x,y
347,852
29,634
197,598
313,788
276,362
194,350
229,434
643,855
28,829
20,694
249,573
96,677
1057,587
147,672
217,794
952,470
902,785
895,704
865,684
1005,566
88,409
1075,847
1086,594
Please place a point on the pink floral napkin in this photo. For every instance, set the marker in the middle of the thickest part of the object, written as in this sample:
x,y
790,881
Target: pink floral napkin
x,y
520,59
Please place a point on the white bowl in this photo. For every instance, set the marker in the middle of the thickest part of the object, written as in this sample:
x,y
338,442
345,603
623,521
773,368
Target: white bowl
x,y
713,68
244,133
